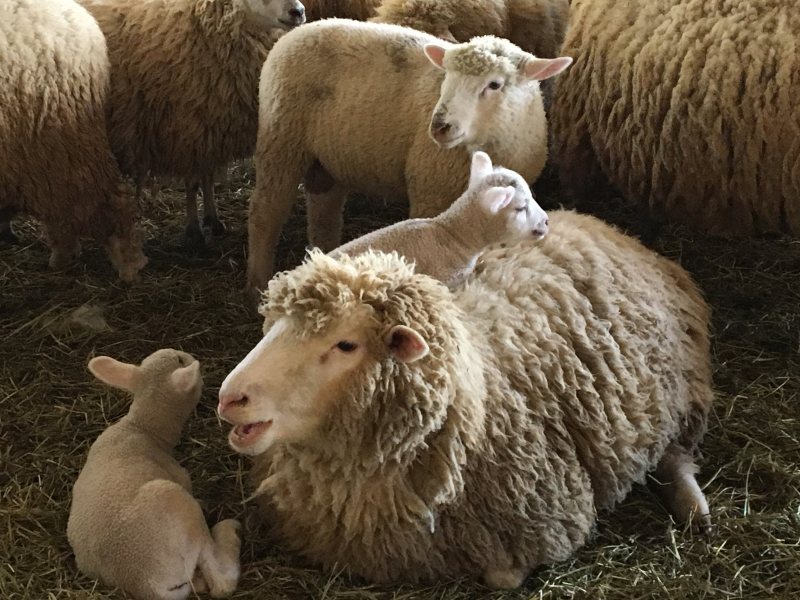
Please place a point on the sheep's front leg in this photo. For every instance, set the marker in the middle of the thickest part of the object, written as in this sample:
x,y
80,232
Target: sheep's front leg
x,y
677,485
193,233
505,579
326,217
210,219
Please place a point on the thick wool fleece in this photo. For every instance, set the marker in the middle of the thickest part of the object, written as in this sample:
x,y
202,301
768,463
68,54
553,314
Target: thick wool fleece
x,y
184,83
688,105
536,26
55,160
556,378
360,10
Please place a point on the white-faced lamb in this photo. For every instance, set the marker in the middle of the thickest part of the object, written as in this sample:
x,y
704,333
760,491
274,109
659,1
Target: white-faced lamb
x,y
55,161
497,207
392,89
404,431
184,87
133,521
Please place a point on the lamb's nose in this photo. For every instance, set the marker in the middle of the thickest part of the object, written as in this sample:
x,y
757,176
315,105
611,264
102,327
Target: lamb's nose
x,y
228,400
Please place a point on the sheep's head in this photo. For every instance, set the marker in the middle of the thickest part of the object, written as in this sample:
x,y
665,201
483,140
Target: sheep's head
x,y
353,357
166,382
479,75
274,14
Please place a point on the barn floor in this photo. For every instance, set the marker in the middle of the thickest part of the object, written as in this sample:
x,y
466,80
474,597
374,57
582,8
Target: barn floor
x,y
51,410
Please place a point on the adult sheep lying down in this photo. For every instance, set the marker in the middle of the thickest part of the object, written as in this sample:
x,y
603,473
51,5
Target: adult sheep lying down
x,y
407,432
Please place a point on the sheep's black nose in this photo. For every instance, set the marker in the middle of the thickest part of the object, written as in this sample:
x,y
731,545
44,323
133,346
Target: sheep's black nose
x,y
297,13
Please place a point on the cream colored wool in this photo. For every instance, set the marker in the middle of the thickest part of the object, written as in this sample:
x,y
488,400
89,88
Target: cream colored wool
x,y
689,106
382,89
536,26
184,88
55,160
360,10
133,521
559,376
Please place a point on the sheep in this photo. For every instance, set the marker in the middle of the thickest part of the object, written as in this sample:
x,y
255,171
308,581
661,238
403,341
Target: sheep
x,y
497,207
133,521
536,26
482,95
360,10
687,107
184,87
408,432
55,161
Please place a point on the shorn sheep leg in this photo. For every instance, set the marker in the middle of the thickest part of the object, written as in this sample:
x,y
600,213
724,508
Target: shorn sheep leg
x,y
210,219
219,559
677,485
326,217
193,233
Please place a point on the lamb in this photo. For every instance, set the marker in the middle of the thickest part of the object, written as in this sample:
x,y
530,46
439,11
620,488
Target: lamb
x,y
478,95
184,87
408,432
55,161
496,208
694,115
536,26
133,521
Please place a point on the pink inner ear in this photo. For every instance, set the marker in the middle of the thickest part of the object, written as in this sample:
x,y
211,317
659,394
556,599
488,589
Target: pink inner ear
x,y
544,68
435,54
407,345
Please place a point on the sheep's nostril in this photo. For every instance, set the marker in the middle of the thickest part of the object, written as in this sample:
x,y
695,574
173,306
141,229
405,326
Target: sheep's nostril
x,y
297,13
440,129
547,222
228,400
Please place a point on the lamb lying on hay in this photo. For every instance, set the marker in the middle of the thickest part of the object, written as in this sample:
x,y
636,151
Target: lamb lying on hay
x,y
689,106
416,433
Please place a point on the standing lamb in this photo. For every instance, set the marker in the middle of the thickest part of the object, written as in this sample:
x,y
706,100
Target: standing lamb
x,y
55,159
407,432
536,26
392,89
133,521
184,86
689,106
496,208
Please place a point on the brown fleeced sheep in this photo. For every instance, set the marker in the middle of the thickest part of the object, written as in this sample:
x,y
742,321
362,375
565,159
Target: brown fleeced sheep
x,y
407,432
360,10
184,86
55,159
410,110
536,26
688,106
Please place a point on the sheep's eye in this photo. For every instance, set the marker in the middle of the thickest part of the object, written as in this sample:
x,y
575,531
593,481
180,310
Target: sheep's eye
x,y
495,85
346,346
520,209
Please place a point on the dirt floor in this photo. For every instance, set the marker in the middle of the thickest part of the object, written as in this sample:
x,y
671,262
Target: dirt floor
x,y
51,410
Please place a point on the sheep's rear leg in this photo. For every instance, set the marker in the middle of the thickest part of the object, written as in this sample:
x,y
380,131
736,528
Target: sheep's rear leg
x,y
210,219
193,234
219,560
326,217
677,485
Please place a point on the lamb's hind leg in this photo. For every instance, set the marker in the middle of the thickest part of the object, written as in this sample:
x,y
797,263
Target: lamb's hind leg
x,y
219,559
677,485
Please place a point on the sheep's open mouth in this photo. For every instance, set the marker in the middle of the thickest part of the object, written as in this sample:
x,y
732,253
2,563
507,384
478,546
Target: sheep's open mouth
x,y
244,435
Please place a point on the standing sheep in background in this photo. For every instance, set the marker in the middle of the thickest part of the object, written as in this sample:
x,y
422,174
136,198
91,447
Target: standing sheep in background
x,y
360,10
406,432
497,207
392,89
184,86
55,159
689,106
133,521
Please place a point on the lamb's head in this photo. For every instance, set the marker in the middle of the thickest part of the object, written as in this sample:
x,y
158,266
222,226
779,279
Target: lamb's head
x,y
511,214
483,79
357,358
274,14
168,382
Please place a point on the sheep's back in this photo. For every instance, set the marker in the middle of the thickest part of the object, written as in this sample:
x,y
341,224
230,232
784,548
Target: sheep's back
x,y
688,104
607,341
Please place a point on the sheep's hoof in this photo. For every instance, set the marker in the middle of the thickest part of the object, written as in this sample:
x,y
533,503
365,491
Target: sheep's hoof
x,y
214,225
193,237
702,524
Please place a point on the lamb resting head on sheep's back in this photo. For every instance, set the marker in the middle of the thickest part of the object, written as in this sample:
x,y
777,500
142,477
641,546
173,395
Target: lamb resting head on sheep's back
x,y
408,432
278,14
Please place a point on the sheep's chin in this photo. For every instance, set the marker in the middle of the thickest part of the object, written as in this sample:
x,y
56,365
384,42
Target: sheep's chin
x,y
250,438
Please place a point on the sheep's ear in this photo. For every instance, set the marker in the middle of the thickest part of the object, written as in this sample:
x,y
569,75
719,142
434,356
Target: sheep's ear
x,y
480,168
435,54
544,68
184,379
496,199
405,344
113,372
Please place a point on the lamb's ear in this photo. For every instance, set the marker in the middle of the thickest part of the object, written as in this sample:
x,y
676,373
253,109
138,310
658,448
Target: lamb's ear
x,y
113,372
496,199
435,54
481,167
184,379
544,68
405,344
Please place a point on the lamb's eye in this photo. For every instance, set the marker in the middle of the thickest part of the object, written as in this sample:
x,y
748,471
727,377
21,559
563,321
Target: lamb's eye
x,y
520,209
495,85
346,346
